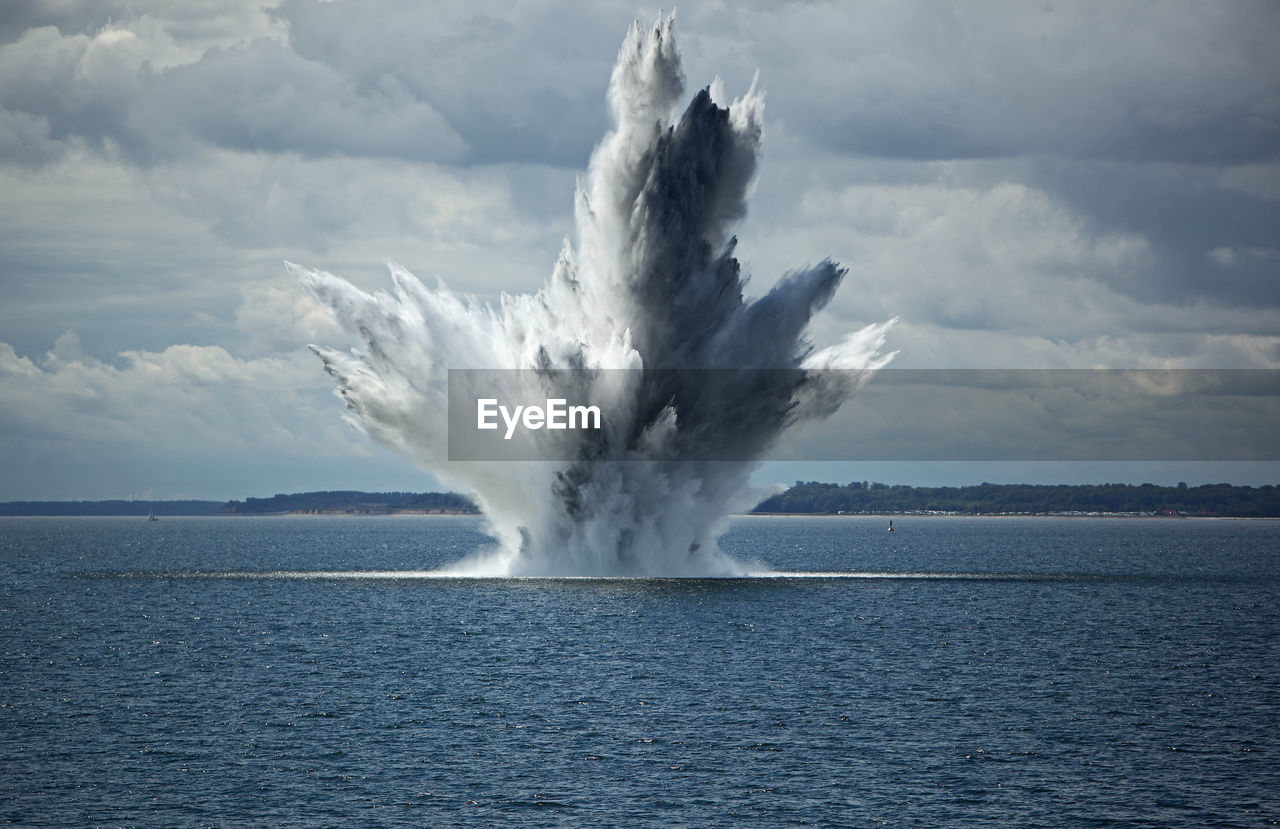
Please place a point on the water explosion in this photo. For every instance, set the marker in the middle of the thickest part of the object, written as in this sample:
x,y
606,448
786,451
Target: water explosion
x,y
652,284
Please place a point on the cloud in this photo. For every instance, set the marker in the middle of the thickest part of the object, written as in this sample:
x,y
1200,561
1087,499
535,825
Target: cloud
x,y
1184,211
1136,81
521,83
114,91
186,409
145,257
26,138
1003,256
194,23
988,268
387,208
152,84
265,97
277,317
154,398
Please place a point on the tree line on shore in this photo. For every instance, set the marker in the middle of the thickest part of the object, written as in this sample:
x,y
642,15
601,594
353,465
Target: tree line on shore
x,y
370,503
813,497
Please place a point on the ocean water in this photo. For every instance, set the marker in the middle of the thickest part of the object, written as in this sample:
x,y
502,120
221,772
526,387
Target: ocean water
x,y
1011,672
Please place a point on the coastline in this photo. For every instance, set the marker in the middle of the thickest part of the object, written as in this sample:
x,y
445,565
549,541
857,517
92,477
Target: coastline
x,y
1005,515
735,516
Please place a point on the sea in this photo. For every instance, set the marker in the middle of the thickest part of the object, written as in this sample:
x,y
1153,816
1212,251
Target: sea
x,y
306,671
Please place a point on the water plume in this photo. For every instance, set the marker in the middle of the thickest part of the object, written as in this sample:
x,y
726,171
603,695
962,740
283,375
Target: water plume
x,y
652,287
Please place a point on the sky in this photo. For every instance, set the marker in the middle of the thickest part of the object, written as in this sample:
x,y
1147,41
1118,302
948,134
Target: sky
x,y
1026,185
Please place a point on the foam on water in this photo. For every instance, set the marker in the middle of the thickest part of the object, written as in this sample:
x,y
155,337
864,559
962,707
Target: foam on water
x,y
651,283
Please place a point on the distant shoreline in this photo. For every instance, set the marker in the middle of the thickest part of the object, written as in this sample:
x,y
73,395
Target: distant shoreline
x,y
1086,500
812,498
905,515
753,515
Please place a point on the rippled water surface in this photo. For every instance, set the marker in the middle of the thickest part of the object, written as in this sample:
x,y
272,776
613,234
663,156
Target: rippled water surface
x,y
306,671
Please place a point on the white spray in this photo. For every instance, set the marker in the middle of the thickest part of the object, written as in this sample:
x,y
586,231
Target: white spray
x,y
652,284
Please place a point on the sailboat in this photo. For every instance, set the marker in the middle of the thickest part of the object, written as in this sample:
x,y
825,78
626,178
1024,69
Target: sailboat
x,y
151,516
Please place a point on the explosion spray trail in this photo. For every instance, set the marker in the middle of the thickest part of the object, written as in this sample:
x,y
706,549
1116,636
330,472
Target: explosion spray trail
x,y
653,284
